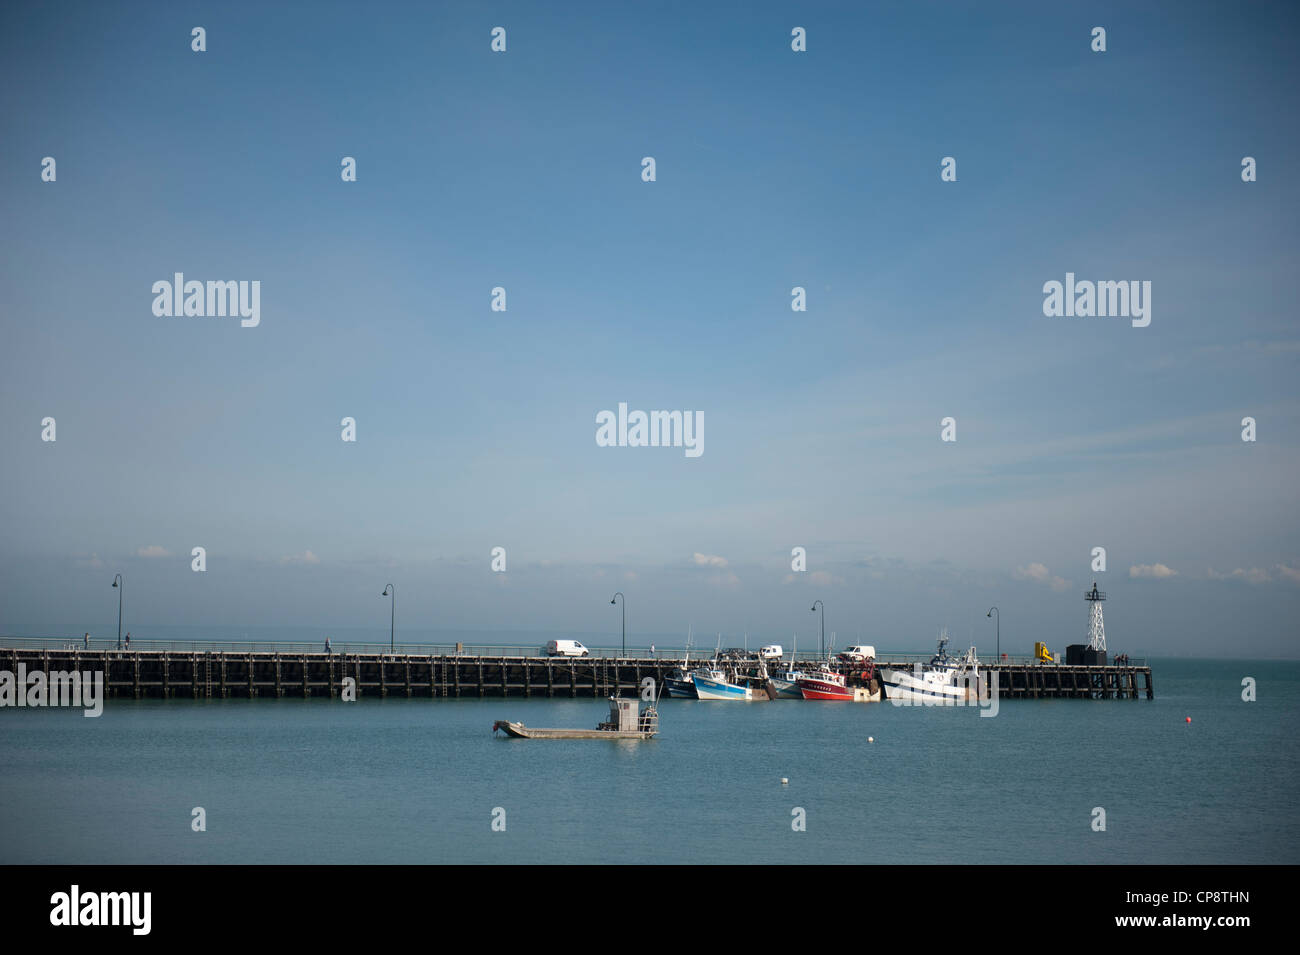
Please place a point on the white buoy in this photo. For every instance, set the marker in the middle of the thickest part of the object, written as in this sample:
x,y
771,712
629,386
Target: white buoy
x,y
785,781
871,739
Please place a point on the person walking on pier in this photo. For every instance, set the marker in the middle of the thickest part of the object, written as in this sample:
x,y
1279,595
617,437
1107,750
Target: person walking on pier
x,y
86,641
128,641
327,645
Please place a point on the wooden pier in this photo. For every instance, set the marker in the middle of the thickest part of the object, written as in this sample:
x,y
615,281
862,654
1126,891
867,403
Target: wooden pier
x,y
206,674
1036,681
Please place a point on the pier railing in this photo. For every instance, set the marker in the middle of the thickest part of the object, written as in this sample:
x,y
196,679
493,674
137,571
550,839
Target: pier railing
x,y
285,646
665,654
1008,660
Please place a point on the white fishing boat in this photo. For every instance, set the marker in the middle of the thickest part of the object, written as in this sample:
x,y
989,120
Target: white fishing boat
x,y
944,680
712,683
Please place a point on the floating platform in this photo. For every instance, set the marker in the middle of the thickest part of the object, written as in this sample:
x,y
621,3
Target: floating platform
x,y
626,721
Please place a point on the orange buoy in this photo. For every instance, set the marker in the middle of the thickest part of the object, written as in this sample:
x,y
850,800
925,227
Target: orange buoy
x,y
1189,719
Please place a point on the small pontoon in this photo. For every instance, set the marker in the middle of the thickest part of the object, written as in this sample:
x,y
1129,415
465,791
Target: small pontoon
x,y
626,721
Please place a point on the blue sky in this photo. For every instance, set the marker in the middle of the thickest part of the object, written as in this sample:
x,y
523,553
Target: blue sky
x,y
774,169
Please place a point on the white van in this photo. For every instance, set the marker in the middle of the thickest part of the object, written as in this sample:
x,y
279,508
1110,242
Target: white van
x,y
566,648
772,652
859,654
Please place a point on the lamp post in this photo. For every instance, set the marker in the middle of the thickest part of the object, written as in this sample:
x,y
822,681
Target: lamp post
x,y
120,584
391,591
813,608
611,600
998,620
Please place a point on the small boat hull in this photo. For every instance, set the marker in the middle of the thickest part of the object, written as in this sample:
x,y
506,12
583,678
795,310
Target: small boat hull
x,y
520,731
825,690
840,695
786,686
786,689
710,689
679,689
626,721
934,687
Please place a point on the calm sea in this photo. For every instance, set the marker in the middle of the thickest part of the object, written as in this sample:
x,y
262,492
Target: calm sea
x,y
400,780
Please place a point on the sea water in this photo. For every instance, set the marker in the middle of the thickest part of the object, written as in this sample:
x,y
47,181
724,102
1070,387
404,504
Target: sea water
x,y
421,780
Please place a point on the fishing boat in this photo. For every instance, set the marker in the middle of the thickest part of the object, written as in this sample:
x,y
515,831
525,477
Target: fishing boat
x,y
785,684
825,684
626,721
944,680
680,682
712,683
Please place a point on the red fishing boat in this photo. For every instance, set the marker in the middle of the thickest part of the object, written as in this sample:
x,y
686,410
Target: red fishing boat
x,y
825,684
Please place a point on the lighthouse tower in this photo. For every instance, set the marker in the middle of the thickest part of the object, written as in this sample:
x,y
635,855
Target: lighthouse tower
x,y
1096,627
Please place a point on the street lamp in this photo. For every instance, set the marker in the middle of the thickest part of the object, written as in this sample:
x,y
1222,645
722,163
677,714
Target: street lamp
x,y
612,600
992,611
120,584
391,591
813,608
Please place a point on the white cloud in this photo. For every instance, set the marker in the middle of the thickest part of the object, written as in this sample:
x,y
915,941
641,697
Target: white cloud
x,y
1159,571
306,557
726,580
153,550
1040,574
820,578
1252,576
824,578
1290,573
